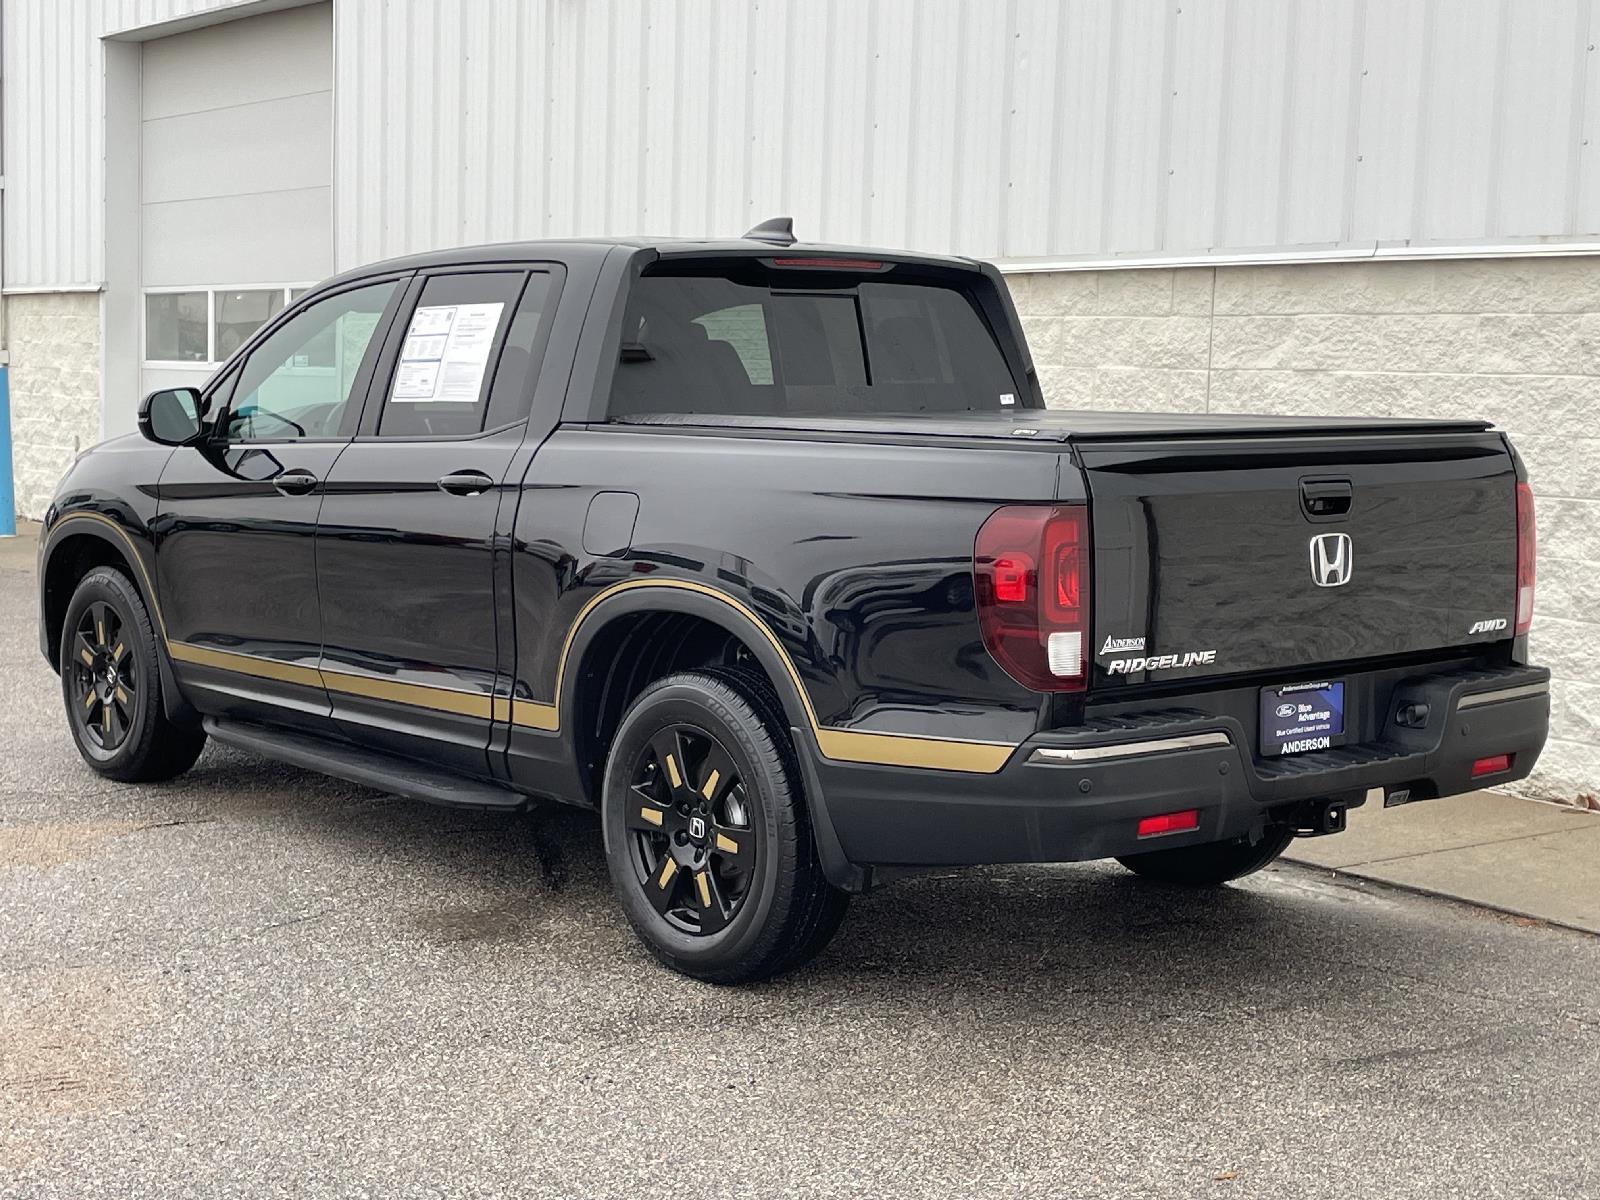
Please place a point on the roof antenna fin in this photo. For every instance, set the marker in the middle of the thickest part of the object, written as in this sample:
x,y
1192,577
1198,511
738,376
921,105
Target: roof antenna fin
x,y
778,230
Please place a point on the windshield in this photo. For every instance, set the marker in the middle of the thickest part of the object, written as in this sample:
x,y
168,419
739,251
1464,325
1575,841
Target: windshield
x,y
806,343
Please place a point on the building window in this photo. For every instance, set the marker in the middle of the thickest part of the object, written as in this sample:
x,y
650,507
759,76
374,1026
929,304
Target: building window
x,y
175,327
202,327
239,314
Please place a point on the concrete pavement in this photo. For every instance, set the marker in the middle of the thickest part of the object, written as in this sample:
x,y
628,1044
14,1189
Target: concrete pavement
x,y
1524,857
254,981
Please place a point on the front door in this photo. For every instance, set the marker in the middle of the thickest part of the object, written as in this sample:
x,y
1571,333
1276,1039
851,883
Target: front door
x,y
408,536
235,558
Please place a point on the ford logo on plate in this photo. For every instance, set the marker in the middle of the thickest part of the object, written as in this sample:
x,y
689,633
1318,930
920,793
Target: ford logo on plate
x,y
1287,710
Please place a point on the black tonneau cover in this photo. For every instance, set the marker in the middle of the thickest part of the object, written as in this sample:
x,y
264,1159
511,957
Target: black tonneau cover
x,y
1061,425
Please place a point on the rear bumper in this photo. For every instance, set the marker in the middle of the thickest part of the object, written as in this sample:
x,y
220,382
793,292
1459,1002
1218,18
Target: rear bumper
x,y
1069,795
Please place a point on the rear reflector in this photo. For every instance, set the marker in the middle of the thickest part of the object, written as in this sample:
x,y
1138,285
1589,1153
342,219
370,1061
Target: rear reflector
x,y
1492,765
1178,822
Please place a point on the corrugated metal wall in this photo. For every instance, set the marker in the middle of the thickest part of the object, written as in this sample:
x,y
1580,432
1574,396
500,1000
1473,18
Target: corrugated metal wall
x,y
1018,129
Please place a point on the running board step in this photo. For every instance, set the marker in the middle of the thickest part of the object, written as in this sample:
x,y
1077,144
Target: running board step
x,y
403,777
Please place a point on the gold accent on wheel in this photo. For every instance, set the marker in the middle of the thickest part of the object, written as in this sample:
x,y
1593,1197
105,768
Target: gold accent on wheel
x,y
88,701
122,696
703,882
105,718
727,845
88,659
668,870
711,784
672,772
100,631
652,815
117,653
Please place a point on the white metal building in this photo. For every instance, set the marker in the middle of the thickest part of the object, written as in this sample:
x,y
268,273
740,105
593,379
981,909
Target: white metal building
x,y
1383,206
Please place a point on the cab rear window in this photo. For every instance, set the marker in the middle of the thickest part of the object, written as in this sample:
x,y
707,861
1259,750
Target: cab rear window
x,y
805,343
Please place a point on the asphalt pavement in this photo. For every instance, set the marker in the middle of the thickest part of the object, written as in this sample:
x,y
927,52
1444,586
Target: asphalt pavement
x,y
259,982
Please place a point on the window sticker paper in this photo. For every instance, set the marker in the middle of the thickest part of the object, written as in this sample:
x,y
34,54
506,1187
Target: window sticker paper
x,y
446,353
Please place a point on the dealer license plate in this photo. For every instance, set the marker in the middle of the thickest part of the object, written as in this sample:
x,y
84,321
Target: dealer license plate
x,y
1297,718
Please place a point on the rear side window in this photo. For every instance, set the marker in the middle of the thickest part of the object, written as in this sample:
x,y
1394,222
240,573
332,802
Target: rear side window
x,y
467,362
806,343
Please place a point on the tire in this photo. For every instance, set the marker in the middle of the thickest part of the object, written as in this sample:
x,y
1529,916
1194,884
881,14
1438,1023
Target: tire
x,y
740,897
1211,864
111,685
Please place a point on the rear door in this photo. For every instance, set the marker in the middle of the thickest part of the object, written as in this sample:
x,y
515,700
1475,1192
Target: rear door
x,y
1270,555
406,544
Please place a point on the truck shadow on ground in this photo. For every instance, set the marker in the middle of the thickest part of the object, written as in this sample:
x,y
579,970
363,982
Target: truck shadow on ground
x,y
1038,936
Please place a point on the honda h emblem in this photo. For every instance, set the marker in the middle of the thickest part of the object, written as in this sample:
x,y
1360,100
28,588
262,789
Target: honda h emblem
x,y
1332,559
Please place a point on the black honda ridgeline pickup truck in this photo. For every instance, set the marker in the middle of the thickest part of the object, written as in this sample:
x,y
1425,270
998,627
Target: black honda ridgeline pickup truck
x,y
773,554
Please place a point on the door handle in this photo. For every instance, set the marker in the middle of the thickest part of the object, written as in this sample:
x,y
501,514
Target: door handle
x,y
465,483
296,482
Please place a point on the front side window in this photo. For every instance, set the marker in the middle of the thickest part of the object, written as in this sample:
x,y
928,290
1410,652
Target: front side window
x,y
751,340
298,383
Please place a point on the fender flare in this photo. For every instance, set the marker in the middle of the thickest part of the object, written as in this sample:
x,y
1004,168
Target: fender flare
x,y
109,531
721,609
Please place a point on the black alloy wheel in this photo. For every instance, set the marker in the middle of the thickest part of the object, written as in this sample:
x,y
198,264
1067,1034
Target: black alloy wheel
x,y
111,685
708,836
105,678
692,847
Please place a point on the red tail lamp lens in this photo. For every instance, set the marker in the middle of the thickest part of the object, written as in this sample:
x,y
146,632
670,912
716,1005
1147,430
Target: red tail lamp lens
x,y
1011,575
1178,822
1030,570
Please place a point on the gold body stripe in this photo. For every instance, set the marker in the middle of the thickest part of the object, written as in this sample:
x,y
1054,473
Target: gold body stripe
x,y
841,745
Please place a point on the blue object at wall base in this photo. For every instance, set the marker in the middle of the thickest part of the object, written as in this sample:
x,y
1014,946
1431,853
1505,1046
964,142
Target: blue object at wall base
x,y
8,491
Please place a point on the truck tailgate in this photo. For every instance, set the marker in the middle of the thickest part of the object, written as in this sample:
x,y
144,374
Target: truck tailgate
x,y
1279,556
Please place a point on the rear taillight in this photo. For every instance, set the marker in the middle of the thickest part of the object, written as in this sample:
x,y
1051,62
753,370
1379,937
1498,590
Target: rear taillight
x,y
1030,569
1527,553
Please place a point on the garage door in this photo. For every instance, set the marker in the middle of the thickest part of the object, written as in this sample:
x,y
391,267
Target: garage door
x,y
236,196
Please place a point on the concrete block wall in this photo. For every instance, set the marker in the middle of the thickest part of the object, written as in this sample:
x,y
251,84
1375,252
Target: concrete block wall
x,y
1512,340
54,343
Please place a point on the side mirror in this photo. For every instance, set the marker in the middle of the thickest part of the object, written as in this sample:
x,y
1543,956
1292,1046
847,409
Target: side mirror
x,y
172,416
